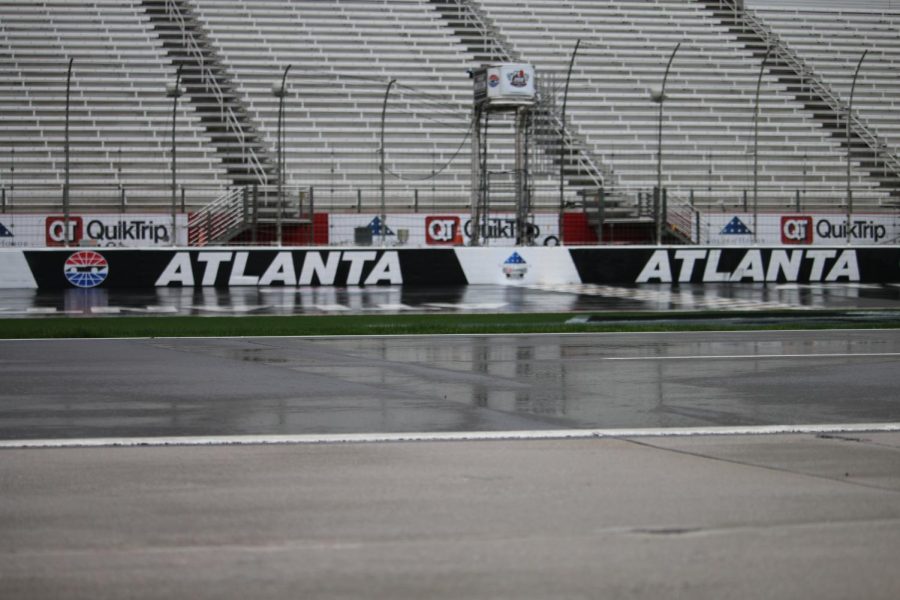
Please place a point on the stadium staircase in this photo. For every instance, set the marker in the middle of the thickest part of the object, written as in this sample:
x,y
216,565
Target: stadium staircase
x,y
208,85
800,77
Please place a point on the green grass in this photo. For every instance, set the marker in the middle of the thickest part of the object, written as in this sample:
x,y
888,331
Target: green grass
x,y
69,327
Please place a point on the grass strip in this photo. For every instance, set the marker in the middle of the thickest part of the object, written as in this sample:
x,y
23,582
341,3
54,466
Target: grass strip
x,y
421,324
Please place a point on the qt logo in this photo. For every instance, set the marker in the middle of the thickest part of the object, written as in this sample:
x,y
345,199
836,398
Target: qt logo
x,y
56,234
86,269
796,230
442,231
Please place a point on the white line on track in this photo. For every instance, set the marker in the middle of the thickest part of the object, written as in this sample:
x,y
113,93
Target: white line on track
x,y
757,356
358,438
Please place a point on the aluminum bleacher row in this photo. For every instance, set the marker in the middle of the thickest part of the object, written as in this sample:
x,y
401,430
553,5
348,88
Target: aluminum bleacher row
x,y
343,52
709,111
120,116
833,42
342,55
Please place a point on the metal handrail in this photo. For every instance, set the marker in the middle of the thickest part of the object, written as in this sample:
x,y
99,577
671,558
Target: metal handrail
x,y
475,17
216,218
809,78
226,113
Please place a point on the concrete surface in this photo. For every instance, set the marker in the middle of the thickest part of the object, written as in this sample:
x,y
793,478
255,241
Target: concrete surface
x,y
719,517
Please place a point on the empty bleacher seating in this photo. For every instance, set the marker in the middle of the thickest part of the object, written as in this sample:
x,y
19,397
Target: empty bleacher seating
x,y
119,114
708,129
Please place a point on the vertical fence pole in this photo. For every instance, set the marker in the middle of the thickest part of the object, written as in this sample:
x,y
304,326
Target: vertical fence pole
x,y
255,202
66,151
381,152
762,68
280,92
562,141
661,98
174,92
849,141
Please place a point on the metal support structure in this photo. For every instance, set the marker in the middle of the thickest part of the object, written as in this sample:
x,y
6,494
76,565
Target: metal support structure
x,y
280,92
523,235
562,140
387,92
762,69
661,98
175,93
66,151
849,141
476,186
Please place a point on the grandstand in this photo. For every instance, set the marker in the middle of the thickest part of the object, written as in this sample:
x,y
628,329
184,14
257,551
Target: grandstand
x,y
832,41
708,131
120,116
343,54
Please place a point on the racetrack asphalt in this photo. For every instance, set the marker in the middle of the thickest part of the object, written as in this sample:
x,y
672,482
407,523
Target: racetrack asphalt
x,y
812,515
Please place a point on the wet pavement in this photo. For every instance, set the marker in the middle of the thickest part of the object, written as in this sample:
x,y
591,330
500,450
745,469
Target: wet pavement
x,y
259,386
239,301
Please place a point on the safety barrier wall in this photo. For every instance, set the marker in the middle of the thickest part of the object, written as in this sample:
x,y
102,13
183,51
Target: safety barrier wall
x,y
124,268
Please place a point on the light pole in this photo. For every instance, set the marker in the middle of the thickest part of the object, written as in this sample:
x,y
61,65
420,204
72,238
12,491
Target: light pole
x,y
660,97
849,143
280,91
174,92
762,68
387,91
562,140
66,152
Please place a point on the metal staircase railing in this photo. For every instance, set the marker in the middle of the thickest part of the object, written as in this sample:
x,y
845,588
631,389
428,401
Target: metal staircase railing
x,y
248,154
808,78
224,216
474,19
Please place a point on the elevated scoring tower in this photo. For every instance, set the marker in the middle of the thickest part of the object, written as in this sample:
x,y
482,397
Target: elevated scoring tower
x,y
504,87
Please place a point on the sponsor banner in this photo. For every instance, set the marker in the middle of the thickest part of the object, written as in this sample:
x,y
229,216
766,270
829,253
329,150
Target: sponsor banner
x,y
738,265
228,267
95,230
222,267
440,229
801,229
523,265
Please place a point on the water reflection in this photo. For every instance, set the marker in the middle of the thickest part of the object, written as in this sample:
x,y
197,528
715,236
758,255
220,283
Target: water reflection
x,y
114,388
402,299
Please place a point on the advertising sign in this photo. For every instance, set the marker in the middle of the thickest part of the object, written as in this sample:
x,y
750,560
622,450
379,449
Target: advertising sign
x,y
441,229
230,267
102,230
800,229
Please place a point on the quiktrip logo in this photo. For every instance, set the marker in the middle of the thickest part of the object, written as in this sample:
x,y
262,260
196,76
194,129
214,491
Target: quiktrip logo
x,y
86,269
57,234
796,230
443,231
